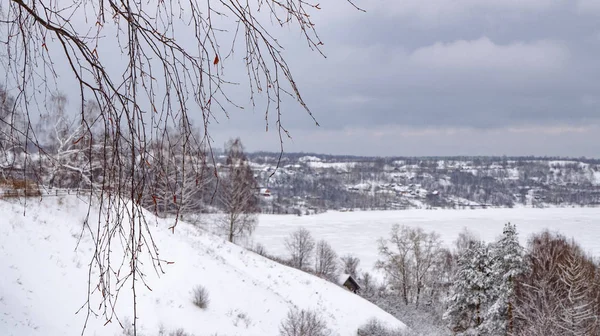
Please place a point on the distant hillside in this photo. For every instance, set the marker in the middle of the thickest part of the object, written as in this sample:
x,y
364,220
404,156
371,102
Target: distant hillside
x,y
45,272
305,183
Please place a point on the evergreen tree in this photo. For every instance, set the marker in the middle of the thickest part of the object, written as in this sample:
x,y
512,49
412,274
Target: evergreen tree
x,y
506,264
468,300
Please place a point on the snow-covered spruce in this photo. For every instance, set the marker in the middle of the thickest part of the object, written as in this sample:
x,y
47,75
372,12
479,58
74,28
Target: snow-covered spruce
x,y
471,291
506,265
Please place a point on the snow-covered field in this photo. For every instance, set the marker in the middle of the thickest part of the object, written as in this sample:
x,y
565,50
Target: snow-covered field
x,y
358,232
43,281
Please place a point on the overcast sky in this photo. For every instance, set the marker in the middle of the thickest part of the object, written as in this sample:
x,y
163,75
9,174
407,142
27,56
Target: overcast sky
x,y
431,77
443,77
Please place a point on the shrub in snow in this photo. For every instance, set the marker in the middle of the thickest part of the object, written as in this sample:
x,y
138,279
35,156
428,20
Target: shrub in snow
x,y
260,249
200,297
127,327
179,332
239,318
376,328
303,323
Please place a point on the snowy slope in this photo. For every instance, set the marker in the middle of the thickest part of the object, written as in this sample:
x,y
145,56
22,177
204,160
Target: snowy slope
x,y
44,273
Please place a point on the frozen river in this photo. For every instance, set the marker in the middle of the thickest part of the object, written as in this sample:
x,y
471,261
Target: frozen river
x,y
358,232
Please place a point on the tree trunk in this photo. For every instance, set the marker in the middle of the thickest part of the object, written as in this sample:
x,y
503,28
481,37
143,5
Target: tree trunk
x,y
510,319
231,224
418,294
478,314
405,291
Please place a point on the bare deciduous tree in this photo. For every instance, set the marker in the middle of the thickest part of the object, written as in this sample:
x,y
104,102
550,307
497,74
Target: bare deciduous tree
x,y
426,250
326,261
410,257
6,124
397,261
238,195
300,245
350,263
556,296
12,133
537,291
578,306
178,178
369,285
71,149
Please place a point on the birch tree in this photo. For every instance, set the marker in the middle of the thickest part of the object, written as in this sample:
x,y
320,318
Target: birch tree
x,y
72,151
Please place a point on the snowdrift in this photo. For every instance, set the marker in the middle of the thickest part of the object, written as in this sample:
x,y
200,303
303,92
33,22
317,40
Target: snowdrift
x,y
44,276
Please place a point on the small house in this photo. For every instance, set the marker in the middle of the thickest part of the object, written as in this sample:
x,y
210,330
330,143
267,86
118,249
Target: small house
x,y
346,280
264,192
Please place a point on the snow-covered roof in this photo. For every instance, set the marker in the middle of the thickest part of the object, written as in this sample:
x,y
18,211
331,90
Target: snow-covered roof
x,y
309,158
342,278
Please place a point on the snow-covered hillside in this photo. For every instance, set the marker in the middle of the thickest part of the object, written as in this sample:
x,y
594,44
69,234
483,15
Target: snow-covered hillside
x,y
44,275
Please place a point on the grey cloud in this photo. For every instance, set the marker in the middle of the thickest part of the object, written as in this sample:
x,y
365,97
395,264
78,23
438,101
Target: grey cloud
x,y
587,7
427,77
448,77
484,54
393,140
502,66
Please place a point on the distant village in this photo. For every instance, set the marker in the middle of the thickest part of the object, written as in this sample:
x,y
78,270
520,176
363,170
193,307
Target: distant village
x,y
308,184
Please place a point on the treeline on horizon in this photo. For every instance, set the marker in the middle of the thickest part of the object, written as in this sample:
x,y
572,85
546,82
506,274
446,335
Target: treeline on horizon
x,y
415,159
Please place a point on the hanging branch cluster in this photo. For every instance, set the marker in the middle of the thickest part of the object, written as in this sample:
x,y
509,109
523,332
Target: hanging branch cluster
x,y
149,68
